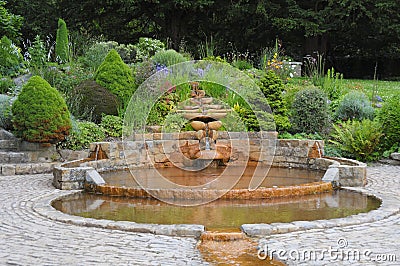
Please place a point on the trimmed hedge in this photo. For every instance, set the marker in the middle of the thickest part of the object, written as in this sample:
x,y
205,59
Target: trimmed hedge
x,y
40,114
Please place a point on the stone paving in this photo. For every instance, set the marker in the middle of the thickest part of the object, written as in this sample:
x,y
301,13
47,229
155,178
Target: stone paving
x,y
29,238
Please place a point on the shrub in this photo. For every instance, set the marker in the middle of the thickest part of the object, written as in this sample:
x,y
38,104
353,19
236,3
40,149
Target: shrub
x,y
112,125
355,105
242,64
89,101
95,55
147,47
309,113
65,79
272,87
389,117
84,134
62,49
168,58
358,139
40,113
116,76
5,84
11,60
143,71
5,111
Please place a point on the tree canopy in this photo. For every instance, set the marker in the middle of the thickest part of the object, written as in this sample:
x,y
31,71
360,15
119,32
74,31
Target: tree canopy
x,y
337,27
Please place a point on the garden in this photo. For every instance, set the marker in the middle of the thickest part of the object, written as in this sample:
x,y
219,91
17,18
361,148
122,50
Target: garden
x,y
52,94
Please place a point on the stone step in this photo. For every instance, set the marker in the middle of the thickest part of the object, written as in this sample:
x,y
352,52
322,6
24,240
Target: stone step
x,y
9,144
13,157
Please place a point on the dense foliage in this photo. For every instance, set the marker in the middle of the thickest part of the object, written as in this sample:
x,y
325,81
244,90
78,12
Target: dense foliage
x,y
310,111
91,101
389,117
62,49
355,105
40,113
11,60
358,139
10,24
116,76
82,135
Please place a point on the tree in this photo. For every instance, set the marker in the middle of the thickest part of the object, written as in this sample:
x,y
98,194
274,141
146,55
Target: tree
x,y
62,49
10,24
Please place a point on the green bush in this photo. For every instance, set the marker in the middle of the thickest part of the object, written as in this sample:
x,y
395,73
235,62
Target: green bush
x,y
272,87
62,49
242,64
354,105
358,139
11,60
95,55
143,70
5,84
389,117
147,47
310,112
168,58
40,113
82,135
116,76
65,79
112,125
90,101
5,111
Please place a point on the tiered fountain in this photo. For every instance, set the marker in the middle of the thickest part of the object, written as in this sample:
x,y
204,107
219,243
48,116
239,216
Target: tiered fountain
x,y
204,117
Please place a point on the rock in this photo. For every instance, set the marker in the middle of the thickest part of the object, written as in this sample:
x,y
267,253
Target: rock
x,y
395,156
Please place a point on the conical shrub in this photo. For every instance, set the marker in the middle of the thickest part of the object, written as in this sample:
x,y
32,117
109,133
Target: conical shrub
x,y
40,114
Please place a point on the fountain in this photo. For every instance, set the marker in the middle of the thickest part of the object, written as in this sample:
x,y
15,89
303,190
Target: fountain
x,y
204,118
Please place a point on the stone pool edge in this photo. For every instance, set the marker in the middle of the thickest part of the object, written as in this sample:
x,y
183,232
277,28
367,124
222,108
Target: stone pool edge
x,y
43,206
386,210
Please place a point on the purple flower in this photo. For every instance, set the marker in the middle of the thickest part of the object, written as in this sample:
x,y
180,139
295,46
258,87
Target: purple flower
x,y
378,98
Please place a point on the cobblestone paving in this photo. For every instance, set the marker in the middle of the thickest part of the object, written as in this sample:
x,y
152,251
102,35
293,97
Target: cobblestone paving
x,y
27,238
374,243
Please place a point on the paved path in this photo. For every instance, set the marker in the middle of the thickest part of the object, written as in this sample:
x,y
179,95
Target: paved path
x,y
27,238
376,243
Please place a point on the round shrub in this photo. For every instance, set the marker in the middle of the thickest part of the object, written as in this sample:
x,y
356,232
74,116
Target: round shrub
x,y
389,117
147,47
89,101
168,58
309,113
82,135
116,76
40,114
355,105
62,50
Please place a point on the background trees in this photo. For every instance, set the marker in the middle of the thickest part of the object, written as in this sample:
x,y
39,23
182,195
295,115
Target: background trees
x,y
340,29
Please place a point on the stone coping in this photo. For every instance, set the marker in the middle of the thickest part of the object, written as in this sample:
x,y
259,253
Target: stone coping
x,y
43,206
260,193
387,209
